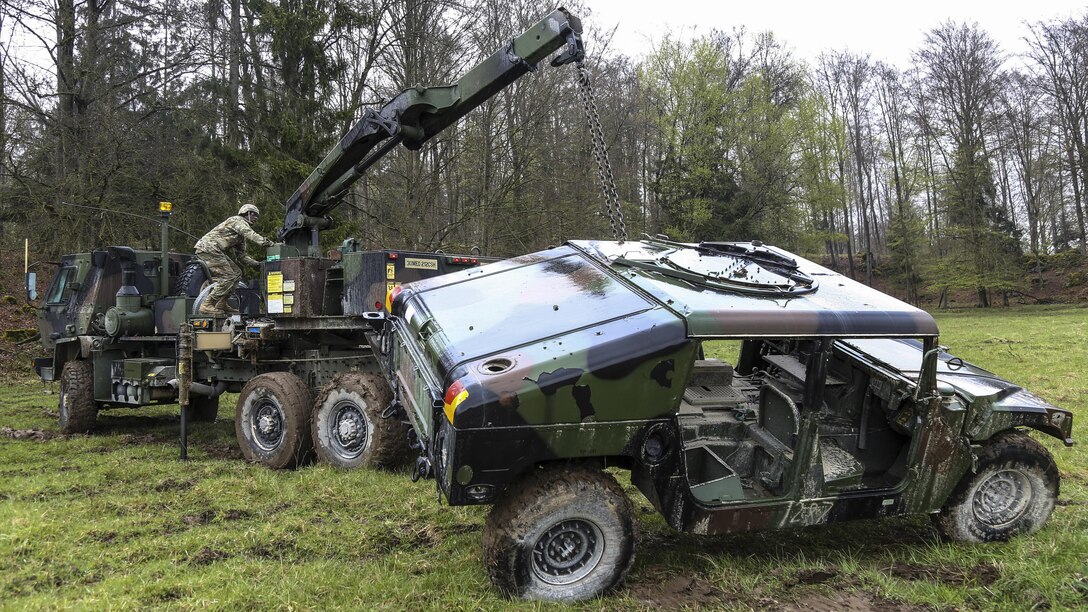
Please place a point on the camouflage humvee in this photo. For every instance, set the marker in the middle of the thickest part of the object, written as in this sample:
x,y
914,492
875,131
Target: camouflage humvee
x,y
524,378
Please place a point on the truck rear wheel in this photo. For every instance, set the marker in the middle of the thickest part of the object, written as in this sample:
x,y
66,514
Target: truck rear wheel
x,y
77,407
1013,491
272,420
348,427
562,533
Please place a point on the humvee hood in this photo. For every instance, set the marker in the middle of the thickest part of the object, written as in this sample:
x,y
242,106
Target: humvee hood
x,y
513,303
980,390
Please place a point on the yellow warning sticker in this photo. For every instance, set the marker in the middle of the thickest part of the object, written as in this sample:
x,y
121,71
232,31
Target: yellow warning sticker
x,y
288,285
288,299
275,283
286,310
390,271
275,303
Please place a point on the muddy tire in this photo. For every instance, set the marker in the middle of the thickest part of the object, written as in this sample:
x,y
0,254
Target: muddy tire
x,y
1012,492
564,533
272,421
348,428
76,406
203,409
191,280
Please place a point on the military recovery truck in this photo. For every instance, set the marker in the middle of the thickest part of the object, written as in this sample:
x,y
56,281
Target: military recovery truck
x,y
119,326
524,379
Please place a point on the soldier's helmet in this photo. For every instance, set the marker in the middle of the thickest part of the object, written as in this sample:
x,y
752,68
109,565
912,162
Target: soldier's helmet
x,y
249,208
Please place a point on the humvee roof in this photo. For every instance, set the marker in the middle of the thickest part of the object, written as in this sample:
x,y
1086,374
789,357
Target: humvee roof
x,y
744,289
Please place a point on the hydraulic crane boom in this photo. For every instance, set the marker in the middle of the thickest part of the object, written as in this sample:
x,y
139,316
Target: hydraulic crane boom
x,y
416,115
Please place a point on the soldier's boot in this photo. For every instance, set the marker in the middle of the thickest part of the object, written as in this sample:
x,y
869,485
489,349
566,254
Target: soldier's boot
x,y
207,308
225,307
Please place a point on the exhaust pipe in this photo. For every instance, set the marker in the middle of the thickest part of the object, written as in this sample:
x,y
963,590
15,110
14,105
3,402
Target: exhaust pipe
x,y
201,388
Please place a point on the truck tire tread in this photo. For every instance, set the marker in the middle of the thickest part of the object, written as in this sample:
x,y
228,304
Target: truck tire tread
x,y
76,405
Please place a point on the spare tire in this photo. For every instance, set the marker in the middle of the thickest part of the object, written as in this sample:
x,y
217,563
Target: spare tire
x,y
192,279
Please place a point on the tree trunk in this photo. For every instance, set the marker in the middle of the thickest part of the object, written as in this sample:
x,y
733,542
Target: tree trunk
x,y
1074,178
66,84
234,138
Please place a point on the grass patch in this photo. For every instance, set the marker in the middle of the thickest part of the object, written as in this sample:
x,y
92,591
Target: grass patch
x,y
114,520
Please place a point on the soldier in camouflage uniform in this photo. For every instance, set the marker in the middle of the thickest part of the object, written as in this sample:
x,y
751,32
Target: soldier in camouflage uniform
x,y
219,248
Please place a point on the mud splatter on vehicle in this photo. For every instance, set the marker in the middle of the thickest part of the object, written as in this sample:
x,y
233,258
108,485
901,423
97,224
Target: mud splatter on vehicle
x,y
527,377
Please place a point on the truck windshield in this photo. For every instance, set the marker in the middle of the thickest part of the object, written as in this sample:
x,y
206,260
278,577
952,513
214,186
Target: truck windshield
x,y
58,290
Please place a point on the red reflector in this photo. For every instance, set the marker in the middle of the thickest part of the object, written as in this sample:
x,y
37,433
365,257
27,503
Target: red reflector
x,y
455,389
392,256
475,261
392,295
377,305
456,260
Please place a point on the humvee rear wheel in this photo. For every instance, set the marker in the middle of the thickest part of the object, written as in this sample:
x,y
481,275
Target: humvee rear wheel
x,y
76,406
272,420
203,409
563,533
1012,492
348,427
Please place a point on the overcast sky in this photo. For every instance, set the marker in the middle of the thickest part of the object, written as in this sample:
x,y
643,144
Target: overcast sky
x,y
887,31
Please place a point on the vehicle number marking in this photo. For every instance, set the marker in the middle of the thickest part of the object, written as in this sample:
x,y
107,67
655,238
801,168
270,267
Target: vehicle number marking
x,y
813,513
420,264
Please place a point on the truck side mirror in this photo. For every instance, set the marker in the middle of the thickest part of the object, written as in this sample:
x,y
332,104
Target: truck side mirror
x,y
927,376
31,286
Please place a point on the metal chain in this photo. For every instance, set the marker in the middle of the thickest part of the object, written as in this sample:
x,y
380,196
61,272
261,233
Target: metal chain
x,y
600,155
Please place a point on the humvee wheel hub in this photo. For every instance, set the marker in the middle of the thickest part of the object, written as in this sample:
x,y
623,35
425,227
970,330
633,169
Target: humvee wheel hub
x,y
568,552
268,425
1002,498
349,430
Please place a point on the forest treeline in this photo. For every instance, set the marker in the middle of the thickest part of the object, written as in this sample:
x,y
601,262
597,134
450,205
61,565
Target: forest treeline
x,y
959,172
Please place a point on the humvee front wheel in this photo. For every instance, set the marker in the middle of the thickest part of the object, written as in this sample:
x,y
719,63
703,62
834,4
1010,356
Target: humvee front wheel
x,y
272,420
1012,491
563,533
348,427
76,407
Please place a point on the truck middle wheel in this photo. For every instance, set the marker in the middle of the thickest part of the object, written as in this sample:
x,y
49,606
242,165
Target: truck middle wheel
x,y
272,420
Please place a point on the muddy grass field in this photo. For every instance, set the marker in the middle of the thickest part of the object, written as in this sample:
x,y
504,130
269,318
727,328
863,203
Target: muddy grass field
x,y
112,519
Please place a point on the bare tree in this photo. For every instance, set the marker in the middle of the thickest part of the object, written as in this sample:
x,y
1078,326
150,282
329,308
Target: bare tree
x,y
960,65
1060,50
